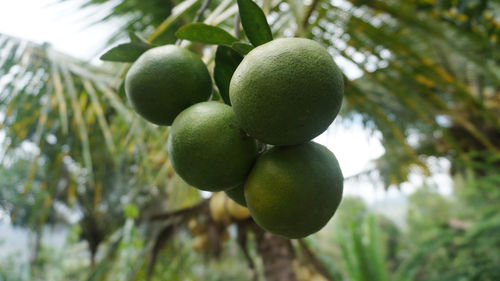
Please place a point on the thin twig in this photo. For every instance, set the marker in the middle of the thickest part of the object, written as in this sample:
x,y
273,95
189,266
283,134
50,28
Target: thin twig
x,y
167,23
183,212
198,16
237,32
242,242
163,236
202,10
320,267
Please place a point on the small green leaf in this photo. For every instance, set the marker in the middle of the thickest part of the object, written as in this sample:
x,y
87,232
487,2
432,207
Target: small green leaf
x,y
204,33
131,211
127,52
242,48
226,62
254,22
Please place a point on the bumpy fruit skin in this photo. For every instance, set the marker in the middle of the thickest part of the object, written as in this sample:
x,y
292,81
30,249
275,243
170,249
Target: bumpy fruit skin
x,y
287,91
208,150
237,194
166,80
293,191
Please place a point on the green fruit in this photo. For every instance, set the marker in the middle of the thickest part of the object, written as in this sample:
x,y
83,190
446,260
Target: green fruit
x,y
166,80
237,194
293,191
287,91
208,150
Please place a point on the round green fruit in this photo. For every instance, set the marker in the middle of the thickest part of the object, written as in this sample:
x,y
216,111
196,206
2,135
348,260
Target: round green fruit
x,y
166,80
293,191
237,194
287,91
207,148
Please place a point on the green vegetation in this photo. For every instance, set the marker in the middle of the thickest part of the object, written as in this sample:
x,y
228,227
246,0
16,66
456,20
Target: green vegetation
x,y
421,75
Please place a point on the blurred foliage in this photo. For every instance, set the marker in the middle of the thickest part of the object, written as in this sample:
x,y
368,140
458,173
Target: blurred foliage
x,y
89,150
25,208
136,15
458,240
423,73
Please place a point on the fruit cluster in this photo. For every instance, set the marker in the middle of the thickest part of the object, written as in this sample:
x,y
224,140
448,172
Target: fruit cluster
x,y
258,149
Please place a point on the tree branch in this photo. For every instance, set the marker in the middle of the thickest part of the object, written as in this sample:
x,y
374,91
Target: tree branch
x,y
161,239
237,21
320,267
202,10
182,212
277,255
242,242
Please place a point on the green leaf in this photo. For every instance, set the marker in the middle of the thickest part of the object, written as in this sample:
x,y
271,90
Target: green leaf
x,y
131,211
204,33
254,22
127,52
242,48
226,62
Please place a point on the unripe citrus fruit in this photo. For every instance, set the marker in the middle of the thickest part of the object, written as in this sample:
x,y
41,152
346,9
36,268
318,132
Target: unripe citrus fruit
x,y
237,195
286,91
293,191
208,150
164,81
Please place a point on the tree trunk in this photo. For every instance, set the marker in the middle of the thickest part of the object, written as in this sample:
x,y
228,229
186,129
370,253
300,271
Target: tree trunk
x,y
37,244
277,255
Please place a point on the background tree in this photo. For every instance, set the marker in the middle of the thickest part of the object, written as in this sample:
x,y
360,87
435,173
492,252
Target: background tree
x,y
429,83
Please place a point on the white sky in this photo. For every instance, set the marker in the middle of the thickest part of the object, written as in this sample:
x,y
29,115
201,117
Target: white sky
x,y
66,28
60,24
